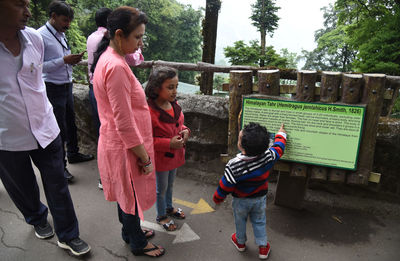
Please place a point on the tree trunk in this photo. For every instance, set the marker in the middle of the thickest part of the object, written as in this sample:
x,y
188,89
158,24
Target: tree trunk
x,y
263,36
209,43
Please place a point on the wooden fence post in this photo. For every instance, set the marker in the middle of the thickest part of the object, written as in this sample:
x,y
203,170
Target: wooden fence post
x,y
305,87
241,83
351,88
291,187
330,83
268,82
305,90
372,96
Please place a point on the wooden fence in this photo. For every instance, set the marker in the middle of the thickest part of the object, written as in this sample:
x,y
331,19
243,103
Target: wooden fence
x,y
335,87
377,92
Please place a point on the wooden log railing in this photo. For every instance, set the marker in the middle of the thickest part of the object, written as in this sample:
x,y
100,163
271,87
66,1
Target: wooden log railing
x,y
391,89
367,89
379,92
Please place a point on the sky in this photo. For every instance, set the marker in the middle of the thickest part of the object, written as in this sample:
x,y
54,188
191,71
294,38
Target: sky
x,y
298,22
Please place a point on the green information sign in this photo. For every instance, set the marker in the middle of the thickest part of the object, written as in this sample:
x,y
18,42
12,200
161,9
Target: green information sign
x,y
318,134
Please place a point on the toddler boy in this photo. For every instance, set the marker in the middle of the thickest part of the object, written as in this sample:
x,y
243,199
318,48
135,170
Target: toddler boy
x,y
246,177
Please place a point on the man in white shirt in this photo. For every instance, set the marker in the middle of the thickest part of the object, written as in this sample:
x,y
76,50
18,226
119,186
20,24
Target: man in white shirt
x,y
29,132
57,74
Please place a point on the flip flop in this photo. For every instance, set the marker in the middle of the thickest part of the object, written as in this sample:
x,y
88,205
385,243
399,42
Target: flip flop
x,y
149,233
167,225
143,252
177,214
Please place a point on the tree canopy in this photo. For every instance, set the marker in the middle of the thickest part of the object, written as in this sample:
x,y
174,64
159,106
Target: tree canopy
x,y
359,35
242,54
265,19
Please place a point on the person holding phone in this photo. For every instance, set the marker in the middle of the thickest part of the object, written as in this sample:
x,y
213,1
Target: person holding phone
x,y
57,74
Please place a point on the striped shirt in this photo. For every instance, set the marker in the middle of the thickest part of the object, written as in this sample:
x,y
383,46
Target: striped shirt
x,y
247,177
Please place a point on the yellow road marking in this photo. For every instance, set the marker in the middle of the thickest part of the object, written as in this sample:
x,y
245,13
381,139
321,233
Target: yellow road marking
x,y
198,208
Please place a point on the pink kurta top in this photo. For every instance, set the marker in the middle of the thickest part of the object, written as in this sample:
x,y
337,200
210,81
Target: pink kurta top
x,y
125,123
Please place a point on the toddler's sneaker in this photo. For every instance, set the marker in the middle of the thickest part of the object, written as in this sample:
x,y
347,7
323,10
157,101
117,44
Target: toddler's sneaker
x,y
264,251
240,247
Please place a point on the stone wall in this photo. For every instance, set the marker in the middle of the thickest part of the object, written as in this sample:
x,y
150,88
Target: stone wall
x,y
207,117
387,155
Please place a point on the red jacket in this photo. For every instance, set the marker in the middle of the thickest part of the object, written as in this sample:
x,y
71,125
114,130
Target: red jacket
x,y
164,128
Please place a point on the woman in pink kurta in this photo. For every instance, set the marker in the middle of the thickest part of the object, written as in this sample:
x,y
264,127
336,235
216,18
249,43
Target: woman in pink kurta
x,y
125,148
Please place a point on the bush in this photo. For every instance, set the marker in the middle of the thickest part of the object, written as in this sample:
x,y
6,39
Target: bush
x,y
396,107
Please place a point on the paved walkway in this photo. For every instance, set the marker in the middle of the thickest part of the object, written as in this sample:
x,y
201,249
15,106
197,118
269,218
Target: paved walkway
x,y
319,232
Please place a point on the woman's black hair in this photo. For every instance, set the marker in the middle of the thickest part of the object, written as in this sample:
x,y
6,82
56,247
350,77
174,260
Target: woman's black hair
x,y
61,8
255,139
157,76
125,18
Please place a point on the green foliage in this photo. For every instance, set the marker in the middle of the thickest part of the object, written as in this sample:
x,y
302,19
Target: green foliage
x,y
291,58
39,13
173,31
243,54
265,20
77,42
333,52
359,35
374,32
219,79
264,16
396,107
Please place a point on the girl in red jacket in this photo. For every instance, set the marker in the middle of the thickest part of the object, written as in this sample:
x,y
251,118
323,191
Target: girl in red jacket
x,y
170,136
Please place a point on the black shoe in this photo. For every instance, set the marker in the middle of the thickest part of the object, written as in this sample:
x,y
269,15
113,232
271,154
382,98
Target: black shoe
x,y
68,176
44,231
79,157
77,246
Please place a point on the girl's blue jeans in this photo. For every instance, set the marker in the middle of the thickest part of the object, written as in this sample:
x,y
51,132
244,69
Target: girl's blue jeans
x,y
165,182
255,209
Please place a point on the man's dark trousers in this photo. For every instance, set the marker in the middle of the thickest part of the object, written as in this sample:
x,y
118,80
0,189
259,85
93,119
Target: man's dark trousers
x,y
61,97
19,179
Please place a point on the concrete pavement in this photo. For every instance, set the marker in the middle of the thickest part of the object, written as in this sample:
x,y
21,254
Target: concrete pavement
x,y
328,228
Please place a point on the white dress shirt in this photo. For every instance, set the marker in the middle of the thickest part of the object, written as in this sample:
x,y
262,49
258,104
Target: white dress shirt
x,y
26,115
